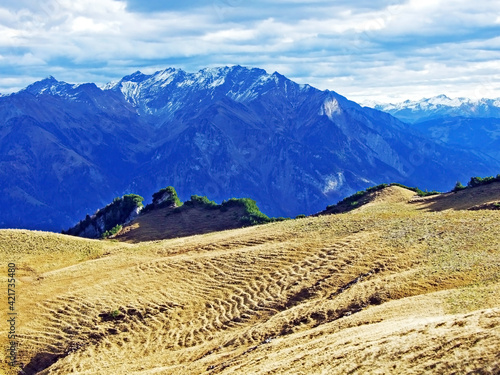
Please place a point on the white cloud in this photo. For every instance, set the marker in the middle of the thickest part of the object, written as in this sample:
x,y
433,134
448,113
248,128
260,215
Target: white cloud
x,y
384,48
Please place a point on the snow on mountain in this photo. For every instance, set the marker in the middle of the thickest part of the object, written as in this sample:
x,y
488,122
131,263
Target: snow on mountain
x,y
460,122
50,86
440,106
166,91
221,132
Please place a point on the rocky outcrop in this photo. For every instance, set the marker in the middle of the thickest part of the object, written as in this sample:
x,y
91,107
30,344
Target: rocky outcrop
x,y
120,212
166,197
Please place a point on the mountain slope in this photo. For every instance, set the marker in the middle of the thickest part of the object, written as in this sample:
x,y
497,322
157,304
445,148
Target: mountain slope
x,y
221,132
476,134
64,149
300,146
389,289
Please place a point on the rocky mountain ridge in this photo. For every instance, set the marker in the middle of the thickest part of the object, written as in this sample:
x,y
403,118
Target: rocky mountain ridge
x,y
66,150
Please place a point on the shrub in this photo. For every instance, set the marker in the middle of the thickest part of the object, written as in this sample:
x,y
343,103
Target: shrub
x,y
301,216
252,215
458,187
112,231
132,201
172,200
426,193
355,197
419,192
203,201
376,188
280,218
478,181
404,186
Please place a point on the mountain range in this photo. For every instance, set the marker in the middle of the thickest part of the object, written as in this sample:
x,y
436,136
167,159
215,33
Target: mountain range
x,y
462,122
441,106
66,150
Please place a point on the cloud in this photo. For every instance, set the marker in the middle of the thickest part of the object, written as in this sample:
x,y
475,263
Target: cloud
x,y
362,49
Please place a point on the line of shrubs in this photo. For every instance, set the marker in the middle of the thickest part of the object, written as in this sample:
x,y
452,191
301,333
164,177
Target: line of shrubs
x,y
475,182
252,214
419,192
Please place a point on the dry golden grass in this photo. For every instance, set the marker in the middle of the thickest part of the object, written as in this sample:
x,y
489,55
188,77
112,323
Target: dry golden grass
x,y
389,288
461,200
165,223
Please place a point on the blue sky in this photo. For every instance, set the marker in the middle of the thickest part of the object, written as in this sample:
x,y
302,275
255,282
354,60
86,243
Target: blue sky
x,y
385,50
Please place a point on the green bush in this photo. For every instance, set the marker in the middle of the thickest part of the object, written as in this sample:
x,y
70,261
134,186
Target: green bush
x,y
112,231
426,193
203,201
458,187
419,192
353,200
478,181
415,189
355,197
252,215
173,200
376,188
133,201
280,218
117,212
301,216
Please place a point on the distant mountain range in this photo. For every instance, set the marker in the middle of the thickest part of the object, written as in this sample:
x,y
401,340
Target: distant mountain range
x,y
66,150
441,106
462,122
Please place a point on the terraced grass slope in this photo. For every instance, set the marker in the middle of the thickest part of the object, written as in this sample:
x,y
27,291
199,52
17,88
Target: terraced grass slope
x,y
392,287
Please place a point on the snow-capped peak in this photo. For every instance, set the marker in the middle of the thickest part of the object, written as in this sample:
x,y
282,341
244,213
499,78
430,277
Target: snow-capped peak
x,y
441,106
167,90
49,85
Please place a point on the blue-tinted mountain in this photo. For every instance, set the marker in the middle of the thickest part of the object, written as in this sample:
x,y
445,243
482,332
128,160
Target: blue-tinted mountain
x,y
66,150
63,149
476,134
460,122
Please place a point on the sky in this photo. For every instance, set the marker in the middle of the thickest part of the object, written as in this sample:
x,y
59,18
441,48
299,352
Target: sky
x,y
366,50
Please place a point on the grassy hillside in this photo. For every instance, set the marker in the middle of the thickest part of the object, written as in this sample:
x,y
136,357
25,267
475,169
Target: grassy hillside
x,y
199,215
167,217
484,195
391,287
166,223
